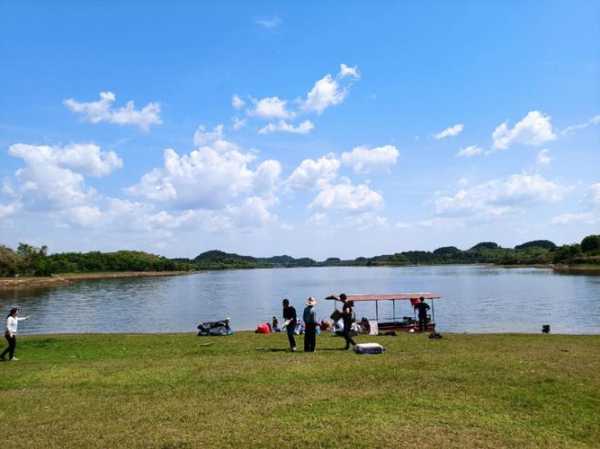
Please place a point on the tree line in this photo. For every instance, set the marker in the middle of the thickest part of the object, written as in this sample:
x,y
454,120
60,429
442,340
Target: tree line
x,y
28,260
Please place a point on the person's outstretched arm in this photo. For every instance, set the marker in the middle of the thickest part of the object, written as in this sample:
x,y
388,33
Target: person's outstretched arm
x,y
19,318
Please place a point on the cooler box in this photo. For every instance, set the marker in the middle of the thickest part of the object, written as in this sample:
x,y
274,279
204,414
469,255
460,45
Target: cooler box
x,y
369,348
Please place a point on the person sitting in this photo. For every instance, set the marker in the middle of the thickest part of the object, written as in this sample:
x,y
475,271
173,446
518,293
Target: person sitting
x,y
275,325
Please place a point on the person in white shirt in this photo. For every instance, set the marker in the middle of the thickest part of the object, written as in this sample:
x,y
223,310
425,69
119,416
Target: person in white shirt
x,y
12,322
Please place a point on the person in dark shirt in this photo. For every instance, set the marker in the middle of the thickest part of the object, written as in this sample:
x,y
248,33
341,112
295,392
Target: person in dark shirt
x,y
310,325
289,315
422,308
347,317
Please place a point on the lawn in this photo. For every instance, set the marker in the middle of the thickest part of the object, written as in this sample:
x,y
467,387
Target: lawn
x,y
180,391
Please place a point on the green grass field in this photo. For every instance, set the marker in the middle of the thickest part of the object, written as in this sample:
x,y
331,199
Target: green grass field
x,y
182,391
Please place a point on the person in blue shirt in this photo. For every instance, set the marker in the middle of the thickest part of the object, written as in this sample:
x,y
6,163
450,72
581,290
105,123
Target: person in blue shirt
x,y
310,325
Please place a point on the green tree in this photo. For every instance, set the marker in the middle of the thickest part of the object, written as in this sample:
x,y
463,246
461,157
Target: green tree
x,y
591,243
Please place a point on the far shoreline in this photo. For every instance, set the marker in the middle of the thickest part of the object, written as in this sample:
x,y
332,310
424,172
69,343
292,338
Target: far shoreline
x,y
56,280
25,282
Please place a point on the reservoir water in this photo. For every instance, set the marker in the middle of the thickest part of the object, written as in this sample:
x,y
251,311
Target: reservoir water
x,y
475,299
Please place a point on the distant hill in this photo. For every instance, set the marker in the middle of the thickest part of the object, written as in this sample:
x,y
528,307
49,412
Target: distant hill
x,y
546,244
484,245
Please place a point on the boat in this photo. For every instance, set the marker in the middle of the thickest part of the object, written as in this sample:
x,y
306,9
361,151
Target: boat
x,y
397,324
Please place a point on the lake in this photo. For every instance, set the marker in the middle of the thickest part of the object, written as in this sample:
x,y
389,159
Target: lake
x,y
475,299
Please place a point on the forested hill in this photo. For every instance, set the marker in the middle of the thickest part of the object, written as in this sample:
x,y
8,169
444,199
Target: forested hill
x,y
33,261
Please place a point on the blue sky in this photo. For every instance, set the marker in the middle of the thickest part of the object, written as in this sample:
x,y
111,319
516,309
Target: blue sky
x,y
313,129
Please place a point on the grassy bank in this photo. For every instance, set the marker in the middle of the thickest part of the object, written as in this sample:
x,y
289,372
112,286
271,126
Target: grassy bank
x,y
66,278
182,391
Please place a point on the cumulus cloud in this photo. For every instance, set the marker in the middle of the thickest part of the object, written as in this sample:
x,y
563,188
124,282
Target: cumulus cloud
x,y
349,71
571,129
347,197
591,214
311,174
500,196
86,158
364,160
6,210
53,177
325,93
213,177
450,132
284,127
270,108
238,123
534,129
202,136
237,102
469,151
543,157
103,111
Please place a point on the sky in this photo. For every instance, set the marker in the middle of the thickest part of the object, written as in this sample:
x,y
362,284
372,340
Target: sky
x,y
304,128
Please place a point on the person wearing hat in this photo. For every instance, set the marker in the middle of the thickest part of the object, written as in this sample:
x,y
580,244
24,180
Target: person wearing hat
x,y
347,317
10,333
310,325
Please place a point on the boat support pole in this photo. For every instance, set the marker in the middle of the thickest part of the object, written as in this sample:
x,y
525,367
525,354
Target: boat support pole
x,y
377,311
433,313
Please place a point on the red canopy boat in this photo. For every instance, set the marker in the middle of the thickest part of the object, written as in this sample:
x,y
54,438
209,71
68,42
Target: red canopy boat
x,y
407,323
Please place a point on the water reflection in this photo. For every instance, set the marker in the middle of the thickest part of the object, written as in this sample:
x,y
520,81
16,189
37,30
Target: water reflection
x,y
475,299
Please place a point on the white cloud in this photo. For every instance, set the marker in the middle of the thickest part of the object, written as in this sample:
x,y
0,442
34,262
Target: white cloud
x,y
500,196
469,151
238,123
595,194
312,174
102,111
269,22
543,157
349,71
282,126
364,160
325,93
6,210
271,107
534,129
347,197
591,122
52,178
213,177
583,218
87,158
203,137
237,102
450,132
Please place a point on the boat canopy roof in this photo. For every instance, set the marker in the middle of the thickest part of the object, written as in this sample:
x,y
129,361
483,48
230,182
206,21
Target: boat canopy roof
x,y
388,297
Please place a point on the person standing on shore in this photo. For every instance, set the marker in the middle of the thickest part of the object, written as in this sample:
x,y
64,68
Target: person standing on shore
x,y
422,307
347,317
310,325
291,320
12,322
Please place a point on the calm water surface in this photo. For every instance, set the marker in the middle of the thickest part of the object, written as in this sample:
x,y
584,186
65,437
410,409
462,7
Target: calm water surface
x,y
475,299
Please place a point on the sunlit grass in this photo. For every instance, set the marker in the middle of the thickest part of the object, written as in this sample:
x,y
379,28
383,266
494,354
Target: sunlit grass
x,y
182,391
